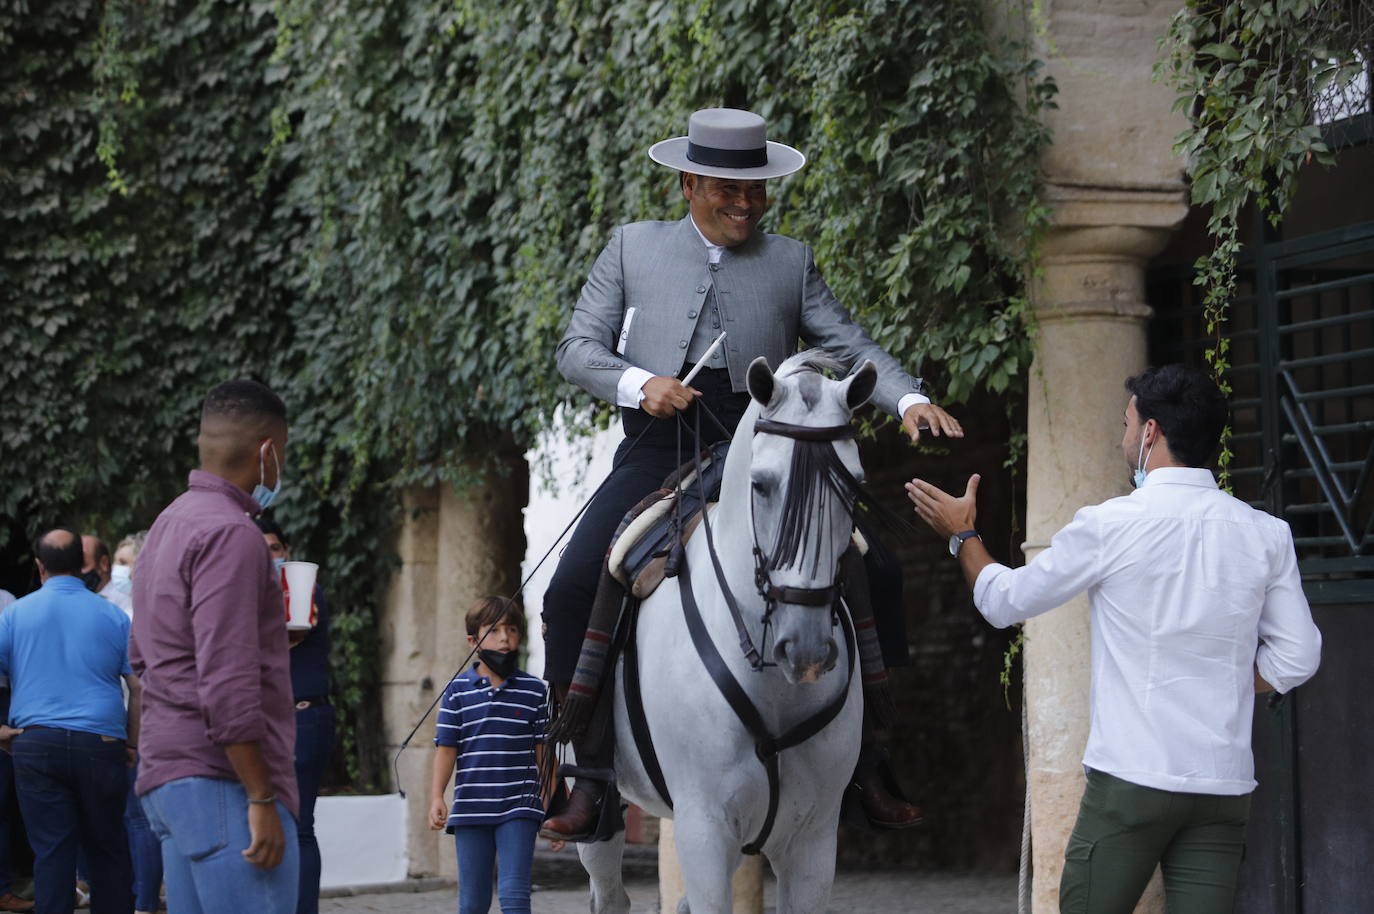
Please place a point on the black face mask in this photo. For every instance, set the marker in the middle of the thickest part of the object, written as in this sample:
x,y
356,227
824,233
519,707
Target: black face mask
x,y
501,663
92,580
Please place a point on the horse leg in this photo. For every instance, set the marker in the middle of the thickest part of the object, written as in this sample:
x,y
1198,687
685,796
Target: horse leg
x,y
806,872
708,858
601,860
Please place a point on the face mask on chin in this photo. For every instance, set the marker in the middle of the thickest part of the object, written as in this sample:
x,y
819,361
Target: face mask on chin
x,y
501,663
261,494
92,580
1143,458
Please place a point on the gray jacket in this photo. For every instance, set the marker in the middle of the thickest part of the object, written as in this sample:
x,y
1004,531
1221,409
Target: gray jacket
x,y
641,303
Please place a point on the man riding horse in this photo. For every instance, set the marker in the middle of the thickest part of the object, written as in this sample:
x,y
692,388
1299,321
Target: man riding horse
x,y
659,295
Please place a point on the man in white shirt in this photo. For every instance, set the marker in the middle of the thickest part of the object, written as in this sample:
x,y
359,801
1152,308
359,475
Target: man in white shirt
x,y
1196,604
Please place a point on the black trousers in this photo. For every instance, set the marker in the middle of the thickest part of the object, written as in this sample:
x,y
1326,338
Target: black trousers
x,y
639,469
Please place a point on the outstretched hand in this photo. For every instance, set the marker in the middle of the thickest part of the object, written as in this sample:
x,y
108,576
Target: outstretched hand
x,y
928,416
945,514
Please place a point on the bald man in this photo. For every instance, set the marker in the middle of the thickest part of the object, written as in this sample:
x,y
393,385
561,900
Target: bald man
x,y
209,642
66,653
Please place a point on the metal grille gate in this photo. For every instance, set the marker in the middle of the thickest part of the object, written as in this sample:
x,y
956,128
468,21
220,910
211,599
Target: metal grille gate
x,y
1302,338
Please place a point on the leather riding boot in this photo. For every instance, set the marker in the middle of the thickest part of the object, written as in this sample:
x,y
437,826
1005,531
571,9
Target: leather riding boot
x,y
579,819
871,780
594,749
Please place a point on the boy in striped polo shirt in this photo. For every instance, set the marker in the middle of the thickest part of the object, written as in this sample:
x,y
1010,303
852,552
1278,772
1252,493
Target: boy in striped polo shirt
x,y
491,731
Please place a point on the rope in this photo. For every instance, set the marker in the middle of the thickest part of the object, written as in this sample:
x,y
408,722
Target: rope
x,y
1023,882
396,759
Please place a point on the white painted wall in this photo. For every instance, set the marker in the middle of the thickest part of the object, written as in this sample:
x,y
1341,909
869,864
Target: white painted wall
x,y
362,840
576,469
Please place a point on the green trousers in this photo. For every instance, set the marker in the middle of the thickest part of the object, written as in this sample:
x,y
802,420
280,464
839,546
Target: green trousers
x,y
1124,829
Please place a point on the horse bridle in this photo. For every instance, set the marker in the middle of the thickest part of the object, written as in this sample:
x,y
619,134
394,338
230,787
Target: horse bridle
x,y
768,746
820,597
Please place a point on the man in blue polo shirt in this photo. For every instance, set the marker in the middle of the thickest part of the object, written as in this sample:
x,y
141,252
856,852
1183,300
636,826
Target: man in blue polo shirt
x,y
65,650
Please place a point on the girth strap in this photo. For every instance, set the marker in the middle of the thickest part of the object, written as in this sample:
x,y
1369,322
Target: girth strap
x,y
766,746
634,708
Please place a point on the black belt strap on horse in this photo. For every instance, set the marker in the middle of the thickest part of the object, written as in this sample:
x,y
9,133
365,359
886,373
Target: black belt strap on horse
x,y
634,707
766,746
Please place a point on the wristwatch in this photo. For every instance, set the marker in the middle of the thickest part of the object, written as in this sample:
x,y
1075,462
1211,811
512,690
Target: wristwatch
x,y
957,540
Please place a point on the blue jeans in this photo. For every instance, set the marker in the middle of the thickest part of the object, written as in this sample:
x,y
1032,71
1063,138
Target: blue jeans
x,y
145,851
510,846
72,787
314,742
6,809
203,826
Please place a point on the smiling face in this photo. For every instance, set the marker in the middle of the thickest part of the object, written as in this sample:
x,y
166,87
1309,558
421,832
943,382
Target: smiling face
x,y
727,211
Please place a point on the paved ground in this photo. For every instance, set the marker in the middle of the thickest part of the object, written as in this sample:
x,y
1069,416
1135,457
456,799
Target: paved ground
x,y
855,893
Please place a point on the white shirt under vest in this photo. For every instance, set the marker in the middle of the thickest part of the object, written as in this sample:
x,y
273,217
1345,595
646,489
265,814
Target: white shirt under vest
x,y
629,391
1189,590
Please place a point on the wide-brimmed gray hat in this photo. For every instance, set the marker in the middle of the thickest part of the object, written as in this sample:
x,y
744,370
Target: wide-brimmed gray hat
x,y
727,143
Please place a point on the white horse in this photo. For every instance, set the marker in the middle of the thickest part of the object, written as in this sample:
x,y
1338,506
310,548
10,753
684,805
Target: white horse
x,y
718,784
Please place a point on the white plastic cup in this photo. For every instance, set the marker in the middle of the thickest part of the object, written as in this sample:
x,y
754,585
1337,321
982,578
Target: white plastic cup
x,y
299,578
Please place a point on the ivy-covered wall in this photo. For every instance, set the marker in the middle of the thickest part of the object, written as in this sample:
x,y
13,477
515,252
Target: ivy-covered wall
x,y
385,211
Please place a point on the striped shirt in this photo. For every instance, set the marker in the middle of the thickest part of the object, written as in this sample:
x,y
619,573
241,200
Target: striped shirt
x,y
495,731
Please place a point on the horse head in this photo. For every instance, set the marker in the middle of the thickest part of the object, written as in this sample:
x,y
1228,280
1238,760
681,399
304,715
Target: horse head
x,y
804,475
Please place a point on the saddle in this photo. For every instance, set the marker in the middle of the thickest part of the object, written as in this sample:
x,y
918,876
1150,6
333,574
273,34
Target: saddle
x,y
645,547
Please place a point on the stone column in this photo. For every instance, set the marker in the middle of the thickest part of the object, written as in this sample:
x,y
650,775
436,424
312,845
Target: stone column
x,y
406,654
455,545
1090,316
1116,192
748,884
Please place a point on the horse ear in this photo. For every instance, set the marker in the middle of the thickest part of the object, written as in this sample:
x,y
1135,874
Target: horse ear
x,y
859,386
759,380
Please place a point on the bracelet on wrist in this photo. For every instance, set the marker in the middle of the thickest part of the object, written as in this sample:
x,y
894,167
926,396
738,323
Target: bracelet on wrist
x,y
263,801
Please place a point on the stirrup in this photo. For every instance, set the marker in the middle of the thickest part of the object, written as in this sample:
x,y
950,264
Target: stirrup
x,y
855,815
610,816
603,775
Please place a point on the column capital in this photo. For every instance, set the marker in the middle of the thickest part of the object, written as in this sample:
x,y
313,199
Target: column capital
x,y
1094,252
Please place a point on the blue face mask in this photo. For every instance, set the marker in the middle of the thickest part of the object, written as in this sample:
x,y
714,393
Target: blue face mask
x,y
276,565
1143,458
261,494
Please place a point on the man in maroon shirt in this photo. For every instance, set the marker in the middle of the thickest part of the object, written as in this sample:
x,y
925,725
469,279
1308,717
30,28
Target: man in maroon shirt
x,y
209,642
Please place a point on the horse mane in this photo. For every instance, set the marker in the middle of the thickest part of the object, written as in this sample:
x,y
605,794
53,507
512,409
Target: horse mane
x,y
816,471
818,360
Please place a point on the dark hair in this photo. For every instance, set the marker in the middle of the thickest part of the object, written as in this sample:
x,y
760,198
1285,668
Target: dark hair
x,y
1189,407
492,611
101,551
243,399
270,527
60,551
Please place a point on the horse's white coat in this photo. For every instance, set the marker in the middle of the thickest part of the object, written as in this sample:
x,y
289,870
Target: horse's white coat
x,y
719,788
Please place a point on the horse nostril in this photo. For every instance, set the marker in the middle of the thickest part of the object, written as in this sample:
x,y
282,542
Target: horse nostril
x,y
780,650
833,655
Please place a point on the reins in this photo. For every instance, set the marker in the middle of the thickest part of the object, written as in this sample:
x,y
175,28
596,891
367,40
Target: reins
x,y
396,759
767,747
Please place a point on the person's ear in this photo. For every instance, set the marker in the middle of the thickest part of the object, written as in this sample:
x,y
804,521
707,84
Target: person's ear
x,y
472,642
104,565
689,185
